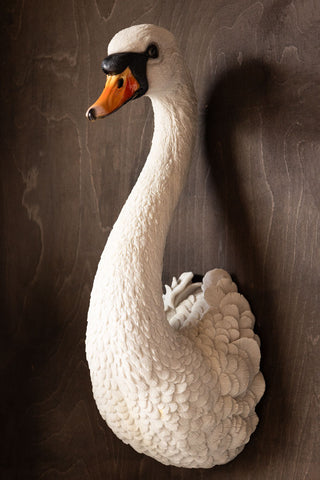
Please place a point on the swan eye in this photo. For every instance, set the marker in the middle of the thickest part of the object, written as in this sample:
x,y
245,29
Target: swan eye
x,y
152,51
120,82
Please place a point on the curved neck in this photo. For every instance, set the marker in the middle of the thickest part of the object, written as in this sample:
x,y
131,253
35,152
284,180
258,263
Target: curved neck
x,y
145,218
130,269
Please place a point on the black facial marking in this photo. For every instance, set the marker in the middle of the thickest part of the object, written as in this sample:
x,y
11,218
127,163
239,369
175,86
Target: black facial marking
x,y
118,62
137,62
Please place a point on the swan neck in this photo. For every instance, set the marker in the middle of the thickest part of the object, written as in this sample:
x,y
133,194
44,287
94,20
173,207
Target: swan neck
x,y
130,269
127,291
148,211
172,145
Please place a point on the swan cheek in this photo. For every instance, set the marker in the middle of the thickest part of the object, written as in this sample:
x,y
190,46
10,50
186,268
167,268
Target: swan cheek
x,y
118,90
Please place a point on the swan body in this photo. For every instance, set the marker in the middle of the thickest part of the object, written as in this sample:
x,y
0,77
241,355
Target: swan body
x,y
176,375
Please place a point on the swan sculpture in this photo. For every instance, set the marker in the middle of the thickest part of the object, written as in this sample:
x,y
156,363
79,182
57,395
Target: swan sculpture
x,y
176,375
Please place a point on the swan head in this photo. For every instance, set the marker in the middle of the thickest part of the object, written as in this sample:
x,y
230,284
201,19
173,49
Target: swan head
x,y
142,60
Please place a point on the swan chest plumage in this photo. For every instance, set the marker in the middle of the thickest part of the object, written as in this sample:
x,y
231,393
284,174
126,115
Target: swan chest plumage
x,y
177,375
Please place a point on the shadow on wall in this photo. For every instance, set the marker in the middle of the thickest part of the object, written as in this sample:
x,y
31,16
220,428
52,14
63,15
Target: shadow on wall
x,y
237,98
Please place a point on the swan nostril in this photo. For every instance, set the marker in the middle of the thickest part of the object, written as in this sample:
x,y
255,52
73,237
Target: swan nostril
x,y
91,114
120,82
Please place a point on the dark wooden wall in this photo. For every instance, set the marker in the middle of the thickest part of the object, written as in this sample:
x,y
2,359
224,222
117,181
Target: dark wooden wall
x,y
251,205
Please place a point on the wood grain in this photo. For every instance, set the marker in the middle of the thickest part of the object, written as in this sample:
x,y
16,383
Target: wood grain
x,y
251,205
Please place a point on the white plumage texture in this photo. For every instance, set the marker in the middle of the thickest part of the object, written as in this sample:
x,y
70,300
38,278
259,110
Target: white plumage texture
x,y
175,375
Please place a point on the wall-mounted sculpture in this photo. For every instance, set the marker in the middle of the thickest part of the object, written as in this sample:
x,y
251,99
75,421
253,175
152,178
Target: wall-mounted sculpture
x,y
176,375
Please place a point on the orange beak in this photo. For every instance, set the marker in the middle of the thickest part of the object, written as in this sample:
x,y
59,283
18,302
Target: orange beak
x,y
118,90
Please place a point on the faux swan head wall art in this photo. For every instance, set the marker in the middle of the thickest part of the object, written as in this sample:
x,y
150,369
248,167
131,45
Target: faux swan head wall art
x,y
176,376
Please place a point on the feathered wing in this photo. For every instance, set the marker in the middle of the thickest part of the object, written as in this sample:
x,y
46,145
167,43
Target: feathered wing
x,y
184,302
219,321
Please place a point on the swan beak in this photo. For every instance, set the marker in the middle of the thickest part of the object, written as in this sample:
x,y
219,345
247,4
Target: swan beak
x,y
119,89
